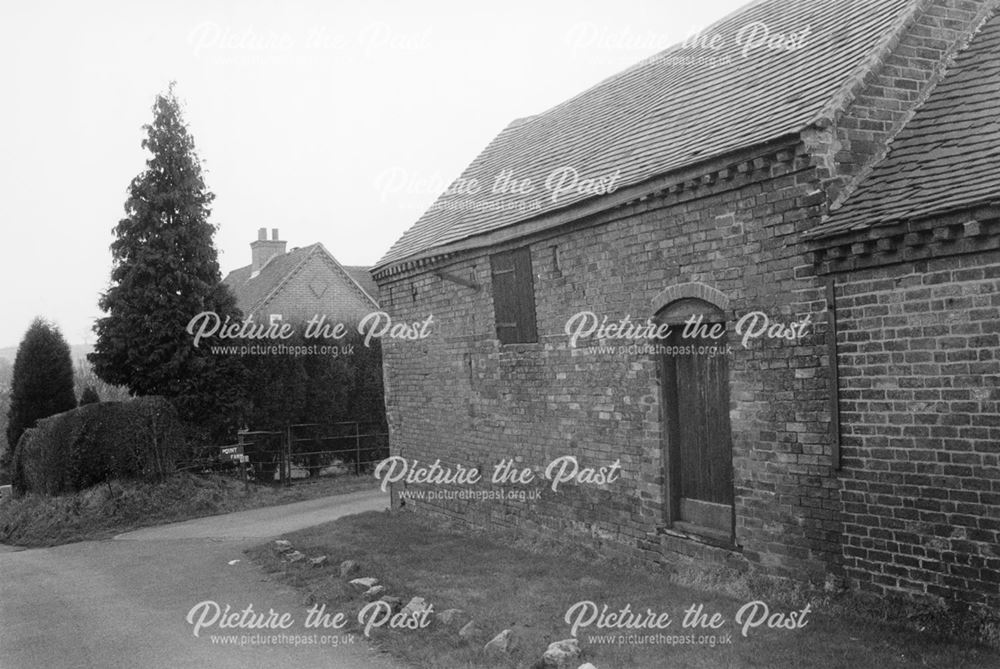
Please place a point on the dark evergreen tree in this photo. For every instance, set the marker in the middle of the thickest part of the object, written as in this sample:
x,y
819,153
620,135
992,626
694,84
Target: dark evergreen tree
x,y
89,396
165,272
42,384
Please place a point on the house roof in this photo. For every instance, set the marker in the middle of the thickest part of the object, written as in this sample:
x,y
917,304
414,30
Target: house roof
x,y
947,157
253,291
363,277
679,108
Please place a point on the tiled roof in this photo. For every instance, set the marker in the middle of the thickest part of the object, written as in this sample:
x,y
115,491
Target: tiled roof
x,y
671,111
251,292
947,157
363,276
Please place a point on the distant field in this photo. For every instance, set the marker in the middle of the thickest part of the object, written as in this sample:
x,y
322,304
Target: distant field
x,y
79,352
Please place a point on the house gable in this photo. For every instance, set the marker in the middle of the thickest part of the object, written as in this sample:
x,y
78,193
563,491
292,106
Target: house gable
x,y
300,284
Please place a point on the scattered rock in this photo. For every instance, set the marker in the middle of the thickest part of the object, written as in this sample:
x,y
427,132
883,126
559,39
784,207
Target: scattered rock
x,y
319,561
500,643
833,583
586,665
374,592
395,603
450,616
349,568
282,546
469,630
295,556
559,653
415,606
365,583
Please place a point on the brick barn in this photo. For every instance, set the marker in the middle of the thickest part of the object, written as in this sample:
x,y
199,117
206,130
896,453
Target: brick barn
x,y
841,181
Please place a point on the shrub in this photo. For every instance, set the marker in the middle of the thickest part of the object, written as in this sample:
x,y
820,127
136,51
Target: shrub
x,y
139,439
42,382
89,396
321,392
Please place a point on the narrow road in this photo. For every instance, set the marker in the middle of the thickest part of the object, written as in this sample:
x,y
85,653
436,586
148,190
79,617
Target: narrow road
x,y
123,603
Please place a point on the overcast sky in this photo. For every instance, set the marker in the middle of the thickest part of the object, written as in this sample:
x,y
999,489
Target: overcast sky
x,y
335,122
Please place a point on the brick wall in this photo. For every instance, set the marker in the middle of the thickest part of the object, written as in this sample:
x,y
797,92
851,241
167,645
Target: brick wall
x,y
878,102
318,288
920,400
460,397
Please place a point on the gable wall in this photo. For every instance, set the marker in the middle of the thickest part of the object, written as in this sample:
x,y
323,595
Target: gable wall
x,y
337,296
885,97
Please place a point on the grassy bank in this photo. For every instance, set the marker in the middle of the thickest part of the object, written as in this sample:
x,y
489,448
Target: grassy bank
x,y
525,588
118,506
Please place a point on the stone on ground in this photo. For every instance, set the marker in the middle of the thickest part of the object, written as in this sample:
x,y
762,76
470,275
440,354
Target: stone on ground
x,y
374,592
349,568
559,653
415,606
450,616
500,643
469,630
365,583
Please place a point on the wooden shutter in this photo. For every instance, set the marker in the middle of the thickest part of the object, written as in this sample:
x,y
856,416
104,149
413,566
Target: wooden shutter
x,y
514,296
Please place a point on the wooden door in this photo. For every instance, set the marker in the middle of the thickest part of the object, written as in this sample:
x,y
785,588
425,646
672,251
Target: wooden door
x,y
699,440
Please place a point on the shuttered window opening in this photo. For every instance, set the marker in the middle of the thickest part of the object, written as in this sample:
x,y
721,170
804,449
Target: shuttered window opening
x,y
514,296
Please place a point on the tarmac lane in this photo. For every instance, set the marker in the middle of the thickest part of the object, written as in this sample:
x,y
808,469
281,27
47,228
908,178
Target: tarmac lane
x,y
125,602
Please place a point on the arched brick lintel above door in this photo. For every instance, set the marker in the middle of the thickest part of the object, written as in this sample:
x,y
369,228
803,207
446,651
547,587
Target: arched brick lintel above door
x,y
690,290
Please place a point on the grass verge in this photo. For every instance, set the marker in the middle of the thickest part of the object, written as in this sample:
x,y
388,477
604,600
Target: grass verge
x,y
501,585
118,506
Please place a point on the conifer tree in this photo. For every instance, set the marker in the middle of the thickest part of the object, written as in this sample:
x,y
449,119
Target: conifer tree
x,y
165,271
42,384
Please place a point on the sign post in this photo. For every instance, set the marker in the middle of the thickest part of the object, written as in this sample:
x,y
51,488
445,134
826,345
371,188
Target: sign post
x,y
243,472
235,454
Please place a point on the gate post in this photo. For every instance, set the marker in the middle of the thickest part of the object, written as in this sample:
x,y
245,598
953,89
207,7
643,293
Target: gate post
x,y
357,449
288,454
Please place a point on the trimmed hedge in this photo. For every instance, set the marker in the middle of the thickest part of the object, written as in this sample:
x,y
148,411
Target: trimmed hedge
x,y
138,439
